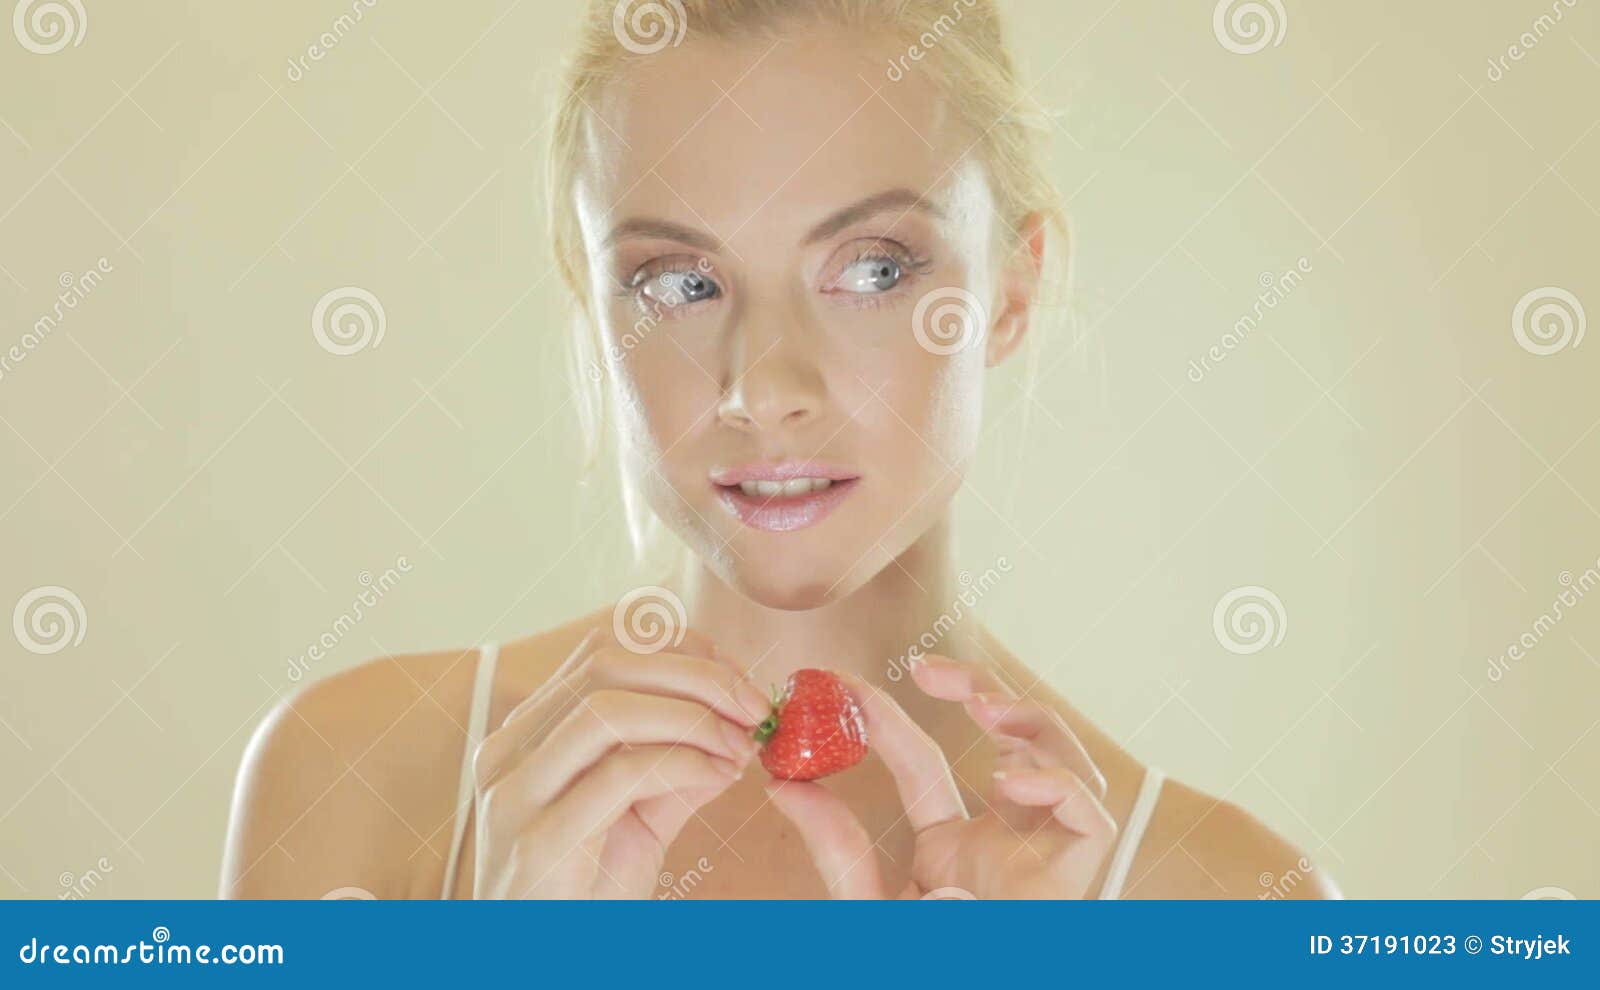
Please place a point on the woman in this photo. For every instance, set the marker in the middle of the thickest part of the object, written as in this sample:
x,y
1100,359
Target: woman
x,y
797,236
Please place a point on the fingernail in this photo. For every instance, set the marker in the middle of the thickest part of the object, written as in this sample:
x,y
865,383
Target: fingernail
x,y
754,702
1001,774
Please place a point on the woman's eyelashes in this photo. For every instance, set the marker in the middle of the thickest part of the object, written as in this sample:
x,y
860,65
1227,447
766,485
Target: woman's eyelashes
x,y
865,272
672,286
872,271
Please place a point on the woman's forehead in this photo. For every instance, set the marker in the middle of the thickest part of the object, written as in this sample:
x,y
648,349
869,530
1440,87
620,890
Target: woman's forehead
x,y
752,136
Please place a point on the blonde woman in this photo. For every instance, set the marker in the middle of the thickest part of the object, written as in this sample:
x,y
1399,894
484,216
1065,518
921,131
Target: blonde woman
x,y
764,228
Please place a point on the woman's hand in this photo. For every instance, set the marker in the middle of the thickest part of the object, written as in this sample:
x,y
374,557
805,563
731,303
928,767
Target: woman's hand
x,y
1043,832
588,781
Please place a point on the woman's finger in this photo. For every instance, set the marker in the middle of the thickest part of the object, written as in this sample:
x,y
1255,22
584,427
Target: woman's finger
x,y
921,773
607,719
600,797
838,843
714,684
1070,800
955,680
1041,728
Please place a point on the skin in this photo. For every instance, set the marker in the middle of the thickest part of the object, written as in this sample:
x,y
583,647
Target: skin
x,y
607,769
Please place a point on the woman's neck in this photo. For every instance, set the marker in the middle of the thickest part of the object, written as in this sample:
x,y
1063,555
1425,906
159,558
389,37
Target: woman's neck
x,y
913,602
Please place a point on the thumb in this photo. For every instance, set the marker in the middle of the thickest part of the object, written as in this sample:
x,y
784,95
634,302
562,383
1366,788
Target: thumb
x,y
840,848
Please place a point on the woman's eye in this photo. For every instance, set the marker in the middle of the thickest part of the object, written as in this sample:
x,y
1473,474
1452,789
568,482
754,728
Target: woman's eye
x,y
870,275
680,288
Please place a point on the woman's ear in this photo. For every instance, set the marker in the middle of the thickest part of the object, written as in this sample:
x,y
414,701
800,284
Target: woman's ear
x,y
1019,289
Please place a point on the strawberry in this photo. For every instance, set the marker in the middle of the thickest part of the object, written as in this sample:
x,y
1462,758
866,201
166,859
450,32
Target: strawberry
x,y
815,728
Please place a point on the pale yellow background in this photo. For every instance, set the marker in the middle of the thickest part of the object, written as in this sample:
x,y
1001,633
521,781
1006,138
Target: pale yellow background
x,y
1381,453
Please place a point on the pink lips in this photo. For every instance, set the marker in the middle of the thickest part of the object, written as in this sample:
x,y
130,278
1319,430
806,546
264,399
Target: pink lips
x,y
784,513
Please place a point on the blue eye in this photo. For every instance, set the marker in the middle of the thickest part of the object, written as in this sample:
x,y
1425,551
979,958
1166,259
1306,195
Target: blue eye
x,y
869,275
680,288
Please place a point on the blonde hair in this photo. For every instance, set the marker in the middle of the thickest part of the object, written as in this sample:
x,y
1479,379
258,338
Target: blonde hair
x,y
960,43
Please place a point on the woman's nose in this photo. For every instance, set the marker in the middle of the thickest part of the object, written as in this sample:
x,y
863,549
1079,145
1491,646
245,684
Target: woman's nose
x,y
775,383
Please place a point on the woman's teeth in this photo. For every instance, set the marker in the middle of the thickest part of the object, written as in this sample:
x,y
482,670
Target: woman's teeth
x,y
794,486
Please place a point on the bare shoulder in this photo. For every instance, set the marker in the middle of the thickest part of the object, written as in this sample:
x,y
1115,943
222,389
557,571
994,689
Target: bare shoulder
x,y
350,780
1199,846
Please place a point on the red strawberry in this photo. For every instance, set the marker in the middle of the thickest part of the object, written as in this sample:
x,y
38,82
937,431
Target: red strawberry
x,y
815,728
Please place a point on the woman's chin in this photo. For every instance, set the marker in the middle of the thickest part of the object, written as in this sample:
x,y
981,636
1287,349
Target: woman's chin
x,y
789,592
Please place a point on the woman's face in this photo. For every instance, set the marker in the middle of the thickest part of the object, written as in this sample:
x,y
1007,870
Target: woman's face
x,y
794,272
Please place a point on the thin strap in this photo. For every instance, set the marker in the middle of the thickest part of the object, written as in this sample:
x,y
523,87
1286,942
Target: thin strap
x,y
1132,832
477,722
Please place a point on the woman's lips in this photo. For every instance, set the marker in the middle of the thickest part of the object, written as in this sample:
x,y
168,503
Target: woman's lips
x,y
783,506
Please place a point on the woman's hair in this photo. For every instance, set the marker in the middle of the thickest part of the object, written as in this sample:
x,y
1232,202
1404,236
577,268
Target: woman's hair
x,y
960,43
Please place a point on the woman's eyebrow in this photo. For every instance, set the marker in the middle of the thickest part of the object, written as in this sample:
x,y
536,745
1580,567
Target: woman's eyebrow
x,y
889,201
665,230
902,200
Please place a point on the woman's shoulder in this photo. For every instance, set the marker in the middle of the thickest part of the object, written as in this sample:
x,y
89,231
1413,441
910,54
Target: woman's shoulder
x,y
370,754
1200,846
